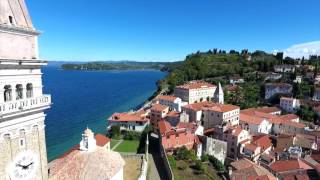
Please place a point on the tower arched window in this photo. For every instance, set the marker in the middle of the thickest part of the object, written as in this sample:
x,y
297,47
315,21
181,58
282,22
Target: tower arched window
x,y
19,91
29,90
11,19
7,93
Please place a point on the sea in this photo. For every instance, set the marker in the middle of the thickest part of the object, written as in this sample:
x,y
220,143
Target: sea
x,y
84,99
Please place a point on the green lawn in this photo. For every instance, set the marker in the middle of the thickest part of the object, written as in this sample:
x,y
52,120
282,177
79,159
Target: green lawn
x,y
113,142
128,146
183,170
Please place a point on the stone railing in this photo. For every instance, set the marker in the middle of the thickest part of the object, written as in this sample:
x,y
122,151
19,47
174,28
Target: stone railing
x,y
24,104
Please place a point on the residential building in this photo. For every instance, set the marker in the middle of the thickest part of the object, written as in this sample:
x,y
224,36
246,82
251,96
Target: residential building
x,y
220,114
289,104
234,136
219,95
195,110
136,121
290,169
195,91
260,144
305,141
272,89
269,110
280,123
273,76
316,94
236,80
174,103
246,169
158,113
255,124
298,79
90,159
284,68
214,147
23,153
184,134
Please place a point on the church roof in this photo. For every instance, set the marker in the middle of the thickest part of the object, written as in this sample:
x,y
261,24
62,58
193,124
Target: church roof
x,y
98,164
14,12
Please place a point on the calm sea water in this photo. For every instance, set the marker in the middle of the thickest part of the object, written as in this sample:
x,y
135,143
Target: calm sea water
x,y
82,99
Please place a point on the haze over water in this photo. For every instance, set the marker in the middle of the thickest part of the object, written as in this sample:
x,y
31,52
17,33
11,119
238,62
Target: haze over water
x,y
83,98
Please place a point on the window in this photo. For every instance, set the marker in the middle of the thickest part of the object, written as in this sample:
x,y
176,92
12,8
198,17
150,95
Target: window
x,y
29,90
10,19
19,91
22,143
7,93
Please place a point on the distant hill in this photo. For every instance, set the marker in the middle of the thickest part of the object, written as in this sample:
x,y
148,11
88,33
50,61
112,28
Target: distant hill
x,y
118,65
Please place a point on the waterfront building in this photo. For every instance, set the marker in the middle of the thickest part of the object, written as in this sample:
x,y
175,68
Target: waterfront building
x,y
173,102
195,91
289,104
90,159
272,89
134,121
22,102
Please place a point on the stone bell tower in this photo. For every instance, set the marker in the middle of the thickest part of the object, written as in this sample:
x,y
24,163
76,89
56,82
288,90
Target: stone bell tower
x,y
22,130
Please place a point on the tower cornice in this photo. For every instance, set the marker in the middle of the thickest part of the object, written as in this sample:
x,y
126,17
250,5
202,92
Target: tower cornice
x,y
20,30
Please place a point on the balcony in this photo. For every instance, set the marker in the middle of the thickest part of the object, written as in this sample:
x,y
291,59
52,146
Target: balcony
x,y
24,104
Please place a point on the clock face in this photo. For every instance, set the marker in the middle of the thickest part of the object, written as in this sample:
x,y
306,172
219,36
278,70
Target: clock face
x,y
24,166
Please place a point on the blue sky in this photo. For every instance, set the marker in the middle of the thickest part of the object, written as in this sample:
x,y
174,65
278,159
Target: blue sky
x,y
168,30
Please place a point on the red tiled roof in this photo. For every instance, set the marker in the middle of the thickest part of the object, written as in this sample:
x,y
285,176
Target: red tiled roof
x,y
222,107
294,124
101,140
263,177
287,165
167,98
250,119
199,106
289,117
263,141
196,85
126,117
250,147
164,126
158,107
173,114
268,110
235,131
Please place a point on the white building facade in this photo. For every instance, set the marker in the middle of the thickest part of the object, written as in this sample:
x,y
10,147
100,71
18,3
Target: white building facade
x,y
195,91
22,102
289,104
272,89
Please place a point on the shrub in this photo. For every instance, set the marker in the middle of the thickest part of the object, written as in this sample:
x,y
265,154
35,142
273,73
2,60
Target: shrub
x,y
172,162
182,165
204,158
199,166
183,153
216,163
115,132
132,135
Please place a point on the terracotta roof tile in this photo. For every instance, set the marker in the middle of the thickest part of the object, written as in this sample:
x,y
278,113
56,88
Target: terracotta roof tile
x,y
167,98
288,165
158,107
101,140
125,117
196,85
